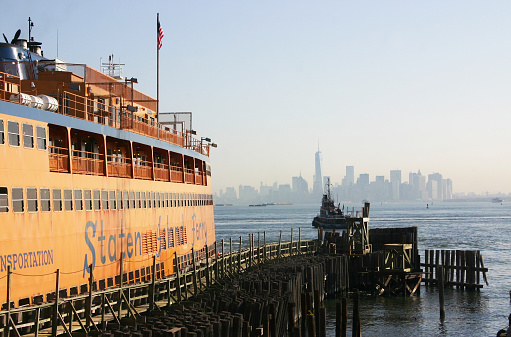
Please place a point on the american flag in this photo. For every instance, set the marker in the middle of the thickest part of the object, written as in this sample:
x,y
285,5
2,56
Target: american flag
x,y
160,35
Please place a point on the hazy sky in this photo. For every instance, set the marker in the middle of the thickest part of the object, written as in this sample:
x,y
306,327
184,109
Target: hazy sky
x,y
380,85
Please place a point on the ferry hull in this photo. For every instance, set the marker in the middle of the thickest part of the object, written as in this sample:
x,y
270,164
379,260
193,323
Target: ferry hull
x,y
172,219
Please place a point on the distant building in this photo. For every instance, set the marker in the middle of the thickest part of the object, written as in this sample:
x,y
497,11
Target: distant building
x,y
349,178
317,186
395,183
434,186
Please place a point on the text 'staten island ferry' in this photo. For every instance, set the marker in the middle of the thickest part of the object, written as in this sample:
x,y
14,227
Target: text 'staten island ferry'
x,y
88,177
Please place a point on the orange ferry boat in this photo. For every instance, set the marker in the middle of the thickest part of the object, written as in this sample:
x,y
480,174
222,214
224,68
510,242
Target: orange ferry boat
x,y
89,178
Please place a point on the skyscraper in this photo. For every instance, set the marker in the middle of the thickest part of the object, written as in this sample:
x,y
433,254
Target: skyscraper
x,y
317,186
349,178
395,183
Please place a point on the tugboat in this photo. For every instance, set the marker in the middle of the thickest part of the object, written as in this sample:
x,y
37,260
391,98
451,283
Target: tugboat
x,y
330,216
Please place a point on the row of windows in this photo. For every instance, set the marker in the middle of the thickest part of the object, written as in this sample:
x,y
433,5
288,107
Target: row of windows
x,y
13,135
78,200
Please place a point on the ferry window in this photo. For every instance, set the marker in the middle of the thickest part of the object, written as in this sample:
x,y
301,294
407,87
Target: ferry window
x,y
57,200
142,197
120,204
14,133
45,199
126,200
138,201
153,199
28,135
88,199
78,200
149,200
97,199
104,200
17,200
171,201
4,200
41,137
68,200
2,137
32,199
166,199
157,200
132,199
112,200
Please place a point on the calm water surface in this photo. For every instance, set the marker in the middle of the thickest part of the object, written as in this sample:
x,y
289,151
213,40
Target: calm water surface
x,y
480,226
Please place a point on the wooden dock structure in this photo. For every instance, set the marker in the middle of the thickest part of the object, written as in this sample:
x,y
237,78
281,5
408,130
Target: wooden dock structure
x,y
461,268
258,289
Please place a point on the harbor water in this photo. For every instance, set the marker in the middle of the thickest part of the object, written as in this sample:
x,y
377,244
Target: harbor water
x,y
483,226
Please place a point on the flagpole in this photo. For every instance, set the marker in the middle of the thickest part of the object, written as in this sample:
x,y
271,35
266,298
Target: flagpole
x,y
157,69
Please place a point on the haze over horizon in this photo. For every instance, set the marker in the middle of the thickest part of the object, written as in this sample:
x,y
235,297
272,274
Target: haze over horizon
x,y
382,85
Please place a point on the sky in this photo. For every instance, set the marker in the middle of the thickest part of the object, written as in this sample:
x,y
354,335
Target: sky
x,y
380,85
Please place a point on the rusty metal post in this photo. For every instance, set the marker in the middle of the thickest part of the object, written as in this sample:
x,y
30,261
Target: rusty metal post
x,y
208,276
120,288
258,247
88,307
216,262
299,240
194,275
230,255
223,258
8,314
55,318
153,285
239,258
264,248
280,245
291,244
178,278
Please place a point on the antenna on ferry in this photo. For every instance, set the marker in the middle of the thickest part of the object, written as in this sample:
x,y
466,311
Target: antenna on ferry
x,y
5,38
30,25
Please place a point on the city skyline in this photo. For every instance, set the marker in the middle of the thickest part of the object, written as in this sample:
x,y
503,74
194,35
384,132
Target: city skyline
x,y
380,85
432,186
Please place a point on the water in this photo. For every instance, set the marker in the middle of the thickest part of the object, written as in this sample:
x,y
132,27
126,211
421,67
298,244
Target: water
x,y
480,226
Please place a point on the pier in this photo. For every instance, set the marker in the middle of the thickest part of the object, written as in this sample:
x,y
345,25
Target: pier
x,y
258,289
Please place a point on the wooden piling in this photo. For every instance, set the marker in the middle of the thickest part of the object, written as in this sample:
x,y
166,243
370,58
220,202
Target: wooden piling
x,y
440,273
322,322
357,329
311,326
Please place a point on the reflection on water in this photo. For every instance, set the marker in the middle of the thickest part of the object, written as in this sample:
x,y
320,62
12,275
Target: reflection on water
x,y
449,225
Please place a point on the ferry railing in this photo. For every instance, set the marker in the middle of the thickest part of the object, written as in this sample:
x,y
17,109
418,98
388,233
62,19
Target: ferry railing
x,y
189,174
9,84
81,107
58,159
198,178
119,166
176,174
142,169
161,172
78,106
85,162
92,309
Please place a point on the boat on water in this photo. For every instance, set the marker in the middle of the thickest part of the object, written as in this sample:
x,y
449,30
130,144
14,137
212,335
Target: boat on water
x,y
496,200
330,216
90,181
